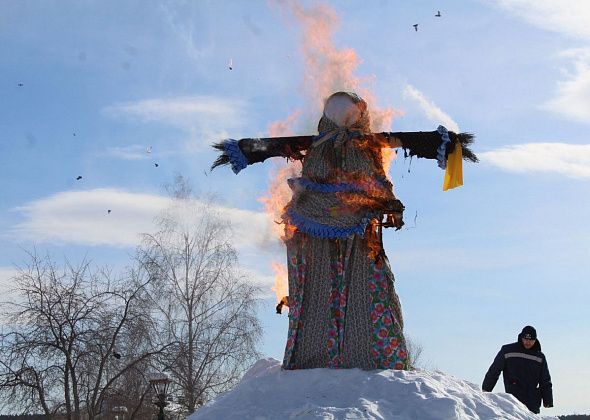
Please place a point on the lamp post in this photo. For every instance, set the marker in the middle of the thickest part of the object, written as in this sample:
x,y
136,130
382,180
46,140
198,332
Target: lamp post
x,y
159,383
120,412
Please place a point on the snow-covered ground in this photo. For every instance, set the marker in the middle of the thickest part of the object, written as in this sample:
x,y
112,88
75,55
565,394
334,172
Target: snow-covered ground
x,y
267,392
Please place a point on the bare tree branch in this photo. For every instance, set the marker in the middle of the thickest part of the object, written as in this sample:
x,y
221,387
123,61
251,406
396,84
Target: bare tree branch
x,y
205,308
59,337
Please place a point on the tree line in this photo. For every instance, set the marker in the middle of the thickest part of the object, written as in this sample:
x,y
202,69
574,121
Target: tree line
x,y
80,342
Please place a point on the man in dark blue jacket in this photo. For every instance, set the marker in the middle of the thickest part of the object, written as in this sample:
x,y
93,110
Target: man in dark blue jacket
x,y
526,375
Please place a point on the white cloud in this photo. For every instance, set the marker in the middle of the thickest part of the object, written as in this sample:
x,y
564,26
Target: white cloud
x,y
263,280
131,152
569,18
6,275
183,112
252,229
82,217
571,160
203,117
573,94
139,152
184,21
433,112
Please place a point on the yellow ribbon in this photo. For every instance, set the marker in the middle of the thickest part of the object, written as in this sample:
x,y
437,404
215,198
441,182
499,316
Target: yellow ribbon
x,y
454,171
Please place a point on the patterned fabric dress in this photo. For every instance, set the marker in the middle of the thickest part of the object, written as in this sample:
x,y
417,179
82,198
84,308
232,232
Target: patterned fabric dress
x,y
343,308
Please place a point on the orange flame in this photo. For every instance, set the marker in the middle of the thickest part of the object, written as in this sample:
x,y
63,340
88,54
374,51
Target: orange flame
x,y
280,286
279,193
327,70
277,197
387,156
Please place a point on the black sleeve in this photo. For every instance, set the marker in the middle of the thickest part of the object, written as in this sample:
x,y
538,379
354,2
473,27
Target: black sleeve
x,y
252,150
545,385
493,373
424,144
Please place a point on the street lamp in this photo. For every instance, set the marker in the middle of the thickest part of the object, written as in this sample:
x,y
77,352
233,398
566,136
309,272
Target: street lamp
x,y
159,383
120,412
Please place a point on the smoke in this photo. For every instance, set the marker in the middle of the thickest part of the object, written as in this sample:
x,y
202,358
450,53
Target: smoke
x,y
284,127
433,112
329,69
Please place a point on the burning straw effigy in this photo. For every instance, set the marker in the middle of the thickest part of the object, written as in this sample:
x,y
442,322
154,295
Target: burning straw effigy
x,y
344,311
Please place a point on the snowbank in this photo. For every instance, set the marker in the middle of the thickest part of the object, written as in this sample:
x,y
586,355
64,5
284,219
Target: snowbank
x,y
267,392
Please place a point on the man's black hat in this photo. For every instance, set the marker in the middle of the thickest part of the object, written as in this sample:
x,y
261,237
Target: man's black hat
x,y
529,333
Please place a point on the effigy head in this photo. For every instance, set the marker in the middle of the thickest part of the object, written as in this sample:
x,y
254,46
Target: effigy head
x,y
345,110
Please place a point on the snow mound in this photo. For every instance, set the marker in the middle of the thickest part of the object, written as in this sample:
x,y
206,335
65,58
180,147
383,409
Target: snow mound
x,y
267,392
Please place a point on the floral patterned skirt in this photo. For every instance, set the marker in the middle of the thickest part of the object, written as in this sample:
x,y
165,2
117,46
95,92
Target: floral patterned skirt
x,y
343,308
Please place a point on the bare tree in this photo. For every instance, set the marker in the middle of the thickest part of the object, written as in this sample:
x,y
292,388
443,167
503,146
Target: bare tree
x,y
205,307
415,350
71,338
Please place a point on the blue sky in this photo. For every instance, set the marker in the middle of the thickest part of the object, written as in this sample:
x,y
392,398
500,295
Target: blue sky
x,y
88,87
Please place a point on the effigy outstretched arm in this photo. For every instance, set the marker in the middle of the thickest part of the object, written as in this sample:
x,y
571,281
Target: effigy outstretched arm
x,y
244,152
437,144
